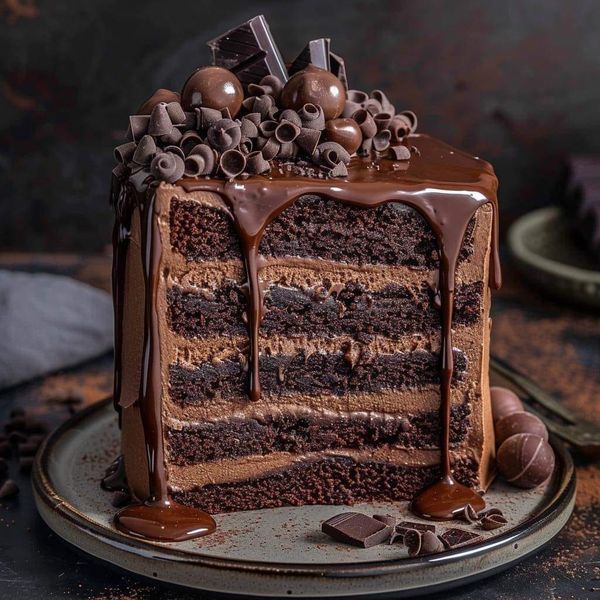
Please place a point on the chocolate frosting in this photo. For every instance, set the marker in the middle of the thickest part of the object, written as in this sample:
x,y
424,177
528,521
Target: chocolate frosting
x,y
444,185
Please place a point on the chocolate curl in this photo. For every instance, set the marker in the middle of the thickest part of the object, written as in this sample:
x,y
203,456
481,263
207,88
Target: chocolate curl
x,y
373,106
287,150
340,170
329,154
248,128
254,117
312,117
400,152
308,140
365,121
412,119
269,84
145,150
381,142
267,128
386,105
120,171
289,114
175,150
357,97
268,146
176,113
188,141
350,108
259,104
399,127
232,163
256,163
208,155
167,166
382,120
365,147
207,117
246,145
286,132
173,137
226,113
160,123
224,135
138,125
124,152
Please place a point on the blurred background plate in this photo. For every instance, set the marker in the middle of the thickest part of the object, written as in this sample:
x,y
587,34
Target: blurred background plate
x,y
544,250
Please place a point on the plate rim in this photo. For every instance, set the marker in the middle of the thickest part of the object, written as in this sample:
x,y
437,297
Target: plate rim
x,y
518,231
46,493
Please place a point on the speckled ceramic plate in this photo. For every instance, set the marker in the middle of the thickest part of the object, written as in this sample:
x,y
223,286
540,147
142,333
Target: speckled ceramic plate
x,y
543,248
279,552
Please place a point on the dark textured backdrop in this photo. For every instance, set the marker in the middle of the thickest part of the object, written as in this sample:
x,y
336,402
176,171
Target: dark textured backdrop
x,y
517,82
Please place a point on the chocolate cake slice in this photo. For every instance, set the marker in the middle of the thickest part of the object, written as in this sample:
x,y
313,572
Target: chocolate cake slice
x,y
301,300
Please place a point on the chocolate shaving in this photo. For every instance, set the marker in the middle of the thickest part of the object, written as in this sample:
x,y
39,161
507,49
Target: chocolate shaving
x,y
381,141
160,123
312,117
232,163
176,113
124,152
365,121
400,152
167,166
138,126
256,163
308,140
145,150
224,135
386,105
286,131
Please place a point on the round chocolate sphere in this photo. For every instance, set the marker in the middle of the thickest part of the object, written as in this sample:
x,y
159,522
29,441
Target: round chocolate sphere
x,y
213,87
345,132
525,460
504,402
160,95
519,422
315,86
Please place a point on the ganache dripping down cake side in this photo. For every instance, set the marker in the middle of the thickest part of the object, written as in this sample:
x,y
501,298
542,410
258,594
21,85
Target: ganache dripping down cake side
x,y
302,294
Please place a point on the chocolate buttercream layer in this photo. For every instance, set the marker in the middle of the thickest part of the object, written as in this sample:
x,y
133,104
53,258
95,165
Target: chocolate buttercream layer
x,y
314,227
392,311
330,480
314,374
306,431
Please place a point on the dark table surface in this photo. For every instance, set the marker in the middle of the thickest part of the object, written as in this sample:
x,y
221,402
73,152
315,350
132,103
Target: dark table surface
x,y
557,346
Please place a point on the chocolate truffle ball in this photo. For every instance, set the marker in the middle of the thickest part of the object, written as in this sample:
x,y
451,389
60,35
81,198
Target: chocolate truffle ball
x,y
345,132
213,87
504,402
315,86
519,422
525,460
160,95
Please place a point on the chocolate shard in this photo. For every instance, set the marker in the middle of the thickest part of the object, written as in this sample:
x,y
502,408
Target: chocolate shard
x,y
315,53
356,529
455,538
388,520
249,51
338,68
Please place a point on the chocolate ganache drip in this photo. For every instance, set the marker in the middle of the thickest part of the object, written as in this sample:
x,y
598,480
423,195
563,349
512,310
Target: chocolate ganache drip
x,y
261,143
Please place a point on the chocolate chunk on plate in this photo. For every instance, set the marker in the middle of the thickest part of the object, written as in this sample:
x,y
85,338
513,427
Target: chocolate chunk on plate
x,y
356,529
402,527
455,538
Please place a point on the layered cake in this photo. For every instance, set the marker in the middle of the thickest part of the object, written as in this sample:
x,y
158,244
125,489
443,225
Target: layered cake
x,y
302,292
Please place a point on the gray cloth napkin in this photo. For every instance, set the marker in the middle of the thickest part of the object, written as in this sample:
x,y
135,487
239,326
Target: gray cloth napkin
x,y
49,322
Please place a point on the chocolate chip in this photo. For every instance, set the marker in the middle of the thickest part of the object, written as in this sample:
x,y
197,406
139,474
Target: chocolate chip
x,y
455,538
357,529
9,489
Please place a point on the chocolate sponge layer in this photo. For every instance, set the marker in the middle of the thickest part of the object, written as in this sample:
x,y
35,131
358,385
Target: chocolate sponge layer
x,y
314,228
237,437
314,374
338,480
354,310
